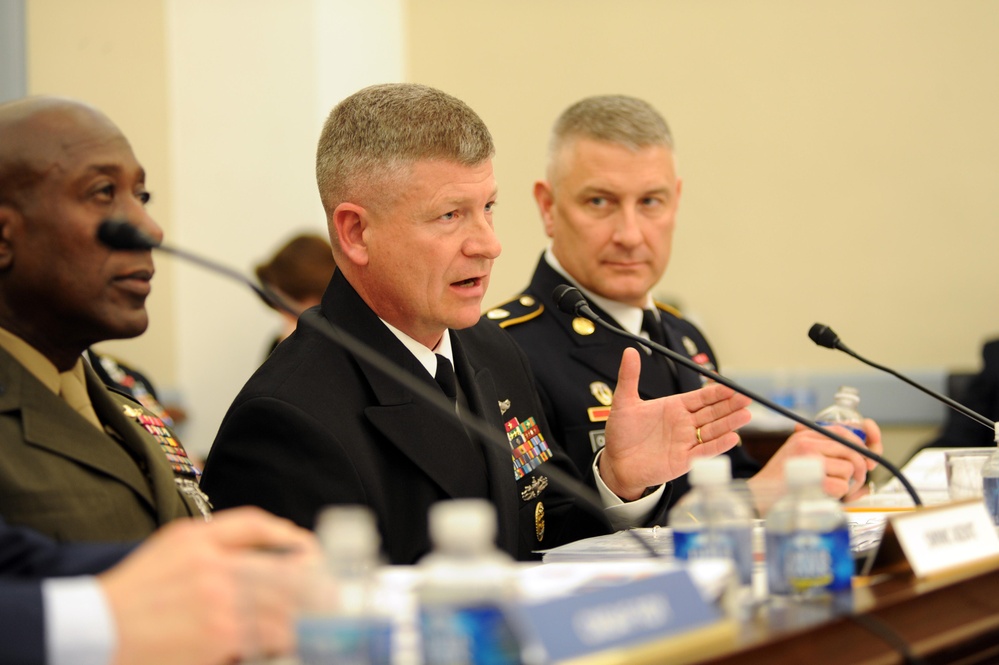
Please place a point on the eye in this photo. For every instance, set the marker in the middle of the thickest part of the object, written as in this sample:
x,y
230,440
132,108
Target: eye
x,y
144,196
490,206
651,201
449,216
597,201
105,192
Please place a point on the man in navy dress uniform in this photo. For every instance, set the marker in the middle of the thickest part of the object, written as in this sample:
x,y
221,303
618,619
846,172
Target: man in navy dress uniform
x,y
405,175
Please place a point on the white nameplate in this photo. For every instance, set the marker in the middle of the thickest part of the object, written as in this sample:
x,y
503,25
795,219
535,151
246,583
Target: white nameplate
x,y
946,537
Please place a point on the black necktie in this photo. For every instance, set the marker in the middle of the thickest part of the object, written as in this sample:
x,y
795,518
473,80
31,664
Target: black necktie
x,y
445,378
654,328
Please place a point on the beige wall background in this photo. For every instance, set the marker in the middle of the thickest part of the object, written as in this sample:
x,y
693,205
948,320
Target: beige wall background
x,y
840,159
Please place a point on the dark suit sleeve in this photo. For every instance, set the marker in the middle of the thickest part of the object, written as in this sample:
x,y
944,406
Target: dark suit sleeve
x,y
25,558
27,554
22,618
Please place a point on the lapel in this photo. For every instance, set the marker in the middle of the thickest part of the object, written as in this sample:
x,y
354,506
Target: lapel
x,y
436,443
50,424
142,447
601,350
483,400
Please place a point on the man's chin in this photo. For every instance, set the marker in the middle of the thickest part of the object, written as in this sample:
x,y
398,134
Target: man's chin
x,y
636,296
128,328
464,320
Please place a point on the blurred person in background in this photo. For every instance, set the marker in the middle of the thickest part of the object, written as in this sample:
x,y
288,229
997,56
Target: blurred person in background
x,y
299,273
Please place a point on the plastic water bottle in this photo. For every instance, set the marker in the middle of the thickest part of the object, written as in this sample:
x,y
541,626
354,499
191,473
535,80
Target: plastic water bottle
x,y
712,521
843,411
343,623
464,584
807,537
990,482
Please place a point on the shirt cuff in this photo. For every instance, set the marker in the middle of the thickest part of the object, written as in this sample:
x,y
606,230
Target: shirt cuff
x,y
79,628
624,514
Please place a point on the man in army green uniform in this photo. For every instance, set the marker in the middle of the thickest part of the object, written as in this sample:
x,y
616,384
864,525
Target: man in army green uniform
x,y
609,206
79,461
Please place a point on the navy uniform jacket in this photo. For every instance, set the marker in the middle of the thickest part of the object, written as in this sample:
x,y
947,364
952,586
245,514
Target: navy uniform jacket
x,y
576,366
316,426
63,477
26,557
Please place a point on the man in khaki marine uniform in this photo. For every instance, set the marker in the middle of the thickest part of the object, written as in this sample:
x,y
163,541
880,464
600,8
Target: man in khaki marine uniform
x,y
609,205
78,462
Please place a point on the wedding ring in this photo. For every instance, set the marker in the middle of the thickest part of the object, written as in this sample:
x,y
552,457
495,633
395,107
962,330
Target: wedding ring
x,y
697,432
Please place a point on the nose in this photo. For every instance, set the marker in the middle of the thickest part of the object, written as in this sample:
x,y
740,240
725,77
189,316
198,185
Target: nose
x,y
482,241
627,228
138,216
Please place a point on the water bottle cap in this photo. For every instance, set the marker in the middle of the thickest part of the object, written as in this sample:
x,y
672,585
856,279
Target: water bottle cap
x,y
710,471
804,471
848,394
348,531
463,524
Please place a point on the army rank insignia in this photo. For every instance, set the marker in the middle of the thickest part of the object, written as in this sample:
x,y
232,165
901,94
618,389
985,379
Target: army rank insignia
x,y
529,447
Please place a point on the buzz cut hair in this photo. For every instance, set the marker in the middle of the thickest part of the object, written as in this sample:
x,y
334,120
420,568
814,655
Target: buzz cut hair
x,y
379,132
619,119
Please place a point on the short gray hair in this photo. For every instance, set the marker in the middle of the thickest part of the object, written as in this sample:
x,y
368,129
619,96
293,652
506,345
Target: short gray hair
x,y
381,130
620,119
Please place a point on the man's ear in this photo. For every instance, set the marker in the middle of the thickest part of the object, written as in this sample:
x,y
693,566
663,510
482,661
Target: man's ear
x,y
9,218
545,198
351,222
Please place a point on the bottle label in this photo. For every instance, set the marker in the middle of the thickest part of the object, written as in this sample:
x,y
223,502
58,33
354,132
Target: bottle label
x,y
853,427
807,562
990,492
324,639
467,635
733,543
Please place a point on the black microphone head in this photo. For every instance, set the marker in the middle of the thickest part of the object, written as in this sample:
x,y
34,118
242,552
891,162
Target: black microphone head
x,y
120,234
823,335
568,299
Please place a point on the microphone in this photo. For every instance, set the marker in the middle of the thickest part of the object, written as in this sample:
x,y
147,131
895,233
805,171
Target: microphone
x,y
571,301
122,235
118,234
823,335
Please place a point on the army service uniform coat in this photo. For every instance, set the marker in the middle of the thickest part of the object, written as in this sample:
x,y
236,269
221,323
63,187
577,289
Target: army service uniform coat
x,y
317,426
64,478
576,365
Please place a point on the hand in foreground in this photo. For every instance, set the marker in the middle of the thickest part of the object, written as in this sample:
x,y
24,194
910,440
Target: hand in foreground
x,y
207,593
846,469
651,442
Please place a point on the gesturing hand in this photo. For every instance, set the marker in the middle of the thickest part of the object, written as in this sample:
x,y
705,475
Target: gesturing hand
x,y
651,442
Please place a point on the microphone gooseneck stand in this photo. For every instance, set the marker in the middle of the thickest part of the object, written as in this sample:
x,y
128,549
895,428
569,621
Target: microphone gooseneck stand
x,y
570,300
